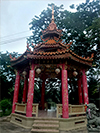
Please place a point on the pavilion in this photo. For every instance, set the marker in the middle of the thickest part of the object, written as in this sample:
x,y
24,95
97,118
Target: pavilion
x,y
50,59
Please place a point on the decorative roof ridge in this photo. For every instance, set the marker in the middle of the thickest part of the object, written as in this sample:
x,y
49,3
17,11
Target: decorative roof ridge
x,y
83,58
39,44
66,45
15,59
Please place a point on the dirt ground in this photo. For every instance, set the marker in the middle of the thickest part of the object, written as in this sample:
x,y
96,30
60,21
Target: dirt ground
x,y
7,127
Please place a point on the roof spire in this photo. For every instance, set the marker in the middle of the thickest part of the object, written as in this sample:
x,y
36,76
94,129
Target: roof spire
x,y
52,14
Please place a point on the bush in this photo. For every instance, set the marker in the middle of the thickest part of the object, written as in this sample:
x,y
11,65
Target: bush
x,y
5,105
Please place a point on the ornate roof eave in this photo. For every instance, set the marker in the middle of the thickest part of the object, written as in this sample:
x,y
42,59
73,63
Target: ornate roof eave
x,y
67,54
20,59
41,45
14,59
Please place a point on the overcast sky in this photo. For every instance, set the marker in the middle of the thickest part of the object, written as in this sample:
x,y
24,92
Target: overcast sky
x,y
15,17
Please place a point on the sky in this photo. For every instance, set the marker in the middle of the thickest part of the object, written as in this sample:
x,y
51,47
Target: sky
x,y
15,17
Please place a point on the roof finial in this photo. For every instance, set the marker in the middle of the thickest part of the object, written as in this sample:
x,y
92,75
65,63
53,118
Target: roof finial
x,y
52,14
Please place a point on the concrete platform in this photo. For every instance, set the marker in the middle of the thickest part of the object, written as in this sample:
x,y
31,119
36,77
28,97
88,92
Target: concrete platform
x,y
64,124
8,127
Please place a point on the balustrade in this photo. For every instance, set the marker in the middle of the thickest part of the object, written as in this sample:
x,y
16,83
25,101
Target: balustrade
x,y
74,110
21,108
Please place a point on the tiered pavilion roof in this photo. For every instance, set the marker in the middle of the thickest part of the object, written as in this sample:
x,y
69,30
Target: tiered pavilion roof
x,y
52,48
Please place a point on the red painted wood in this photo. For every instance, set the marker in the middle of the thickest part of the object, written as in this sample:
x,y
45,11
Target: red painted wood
x,y
30,92
65,103
16,91
25,90
80,90
85,89
87,99
42,94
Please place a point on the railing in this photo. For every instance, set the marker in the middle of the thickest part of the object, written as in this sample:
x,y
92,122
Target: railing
x,y
73,110
59,110
35,109
21,108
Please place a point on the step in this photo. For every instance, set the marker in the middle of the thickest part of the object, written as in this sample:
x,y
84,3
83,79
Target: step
x,y
44,131
46,121
45,126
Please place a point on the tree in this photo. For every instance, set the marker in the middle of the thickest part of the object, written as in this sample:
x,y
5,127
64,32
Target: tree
x,y
37,90
7,75
76,26
81,27
53,90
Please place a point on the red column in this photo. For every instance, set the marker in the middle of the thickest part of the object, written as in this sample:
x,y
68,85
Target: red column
x,y
43,93
25,89
30,92
65,111
80,90
85,89
16,91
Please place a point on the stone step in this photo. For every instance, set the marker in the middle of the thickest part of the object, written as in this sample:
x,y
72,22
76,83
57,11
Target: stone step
x,y
45,126
46,121
44,131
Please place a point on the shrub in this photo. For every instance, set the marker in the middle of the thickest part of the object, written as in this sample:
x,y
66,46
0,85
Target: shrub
x,y
4,104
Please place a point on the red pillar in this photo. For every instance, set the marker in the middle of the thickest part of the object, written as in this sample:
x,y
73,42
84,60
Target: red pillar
x,y
85,89
80,90
65,111
43,93
16,91
25,89
30,92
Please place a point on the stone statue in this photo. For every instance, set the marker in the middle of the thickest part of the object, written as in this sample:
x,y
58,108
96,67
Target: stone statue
x,y
93,122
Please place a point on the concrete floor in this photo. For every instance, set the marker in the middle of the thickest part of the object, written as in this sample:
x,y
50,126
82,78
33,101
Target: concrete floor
x,y
49,113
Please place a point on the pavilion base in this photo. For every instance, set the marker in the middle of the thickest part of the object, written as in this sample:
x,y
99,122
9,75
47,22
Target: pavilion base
x,y
72,123
22,120
64,124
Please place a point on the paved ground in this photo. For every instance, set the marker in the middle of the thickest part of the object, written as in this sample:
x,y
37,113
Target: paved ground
x,y
80,130
7,127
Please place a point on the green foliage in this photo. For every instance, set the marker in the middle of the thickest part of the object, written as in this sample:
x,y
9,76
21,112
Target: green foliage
x,y
5,104
53,90
73,91
93,33
37,91
7,75
7,78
